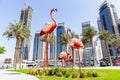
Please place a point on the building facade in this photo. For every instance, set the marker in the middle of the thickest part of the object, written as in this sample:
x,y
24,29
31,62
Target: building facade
x,y
52,47
60,32
103,46
38,47
88,48
109,21
26,17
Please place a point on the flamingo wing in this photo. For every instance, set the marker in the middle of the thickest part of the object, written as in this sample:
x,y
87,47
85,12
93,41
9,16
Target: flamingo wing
x,y
63,54
46,28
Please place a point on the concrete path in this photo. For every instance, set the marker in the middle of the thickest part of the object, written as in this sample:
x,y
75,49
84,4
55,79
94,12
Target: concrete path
x,y
6,75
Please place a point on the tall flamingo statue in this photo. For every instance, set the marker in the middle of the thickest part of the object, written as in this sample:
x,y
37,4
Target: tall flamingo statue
x,y
48,29
64,57
74,44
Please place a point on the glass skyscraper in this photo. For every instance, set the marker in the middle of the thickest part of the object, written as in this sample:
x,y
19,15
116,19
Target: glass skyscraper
x,y
26,17
52,47
60,32
109,21
38,47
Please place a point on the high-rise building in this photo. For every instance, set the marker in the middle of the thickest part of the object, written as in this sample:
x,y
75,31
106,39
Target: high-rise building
x,y
85,25
60,32
103,46
26,17
109,21
52,47
119,25
108,18
38,47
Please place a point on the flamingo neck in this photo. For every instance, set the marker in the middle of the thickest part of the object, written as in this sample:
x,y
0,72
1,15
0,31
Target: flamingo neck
x,y
53,19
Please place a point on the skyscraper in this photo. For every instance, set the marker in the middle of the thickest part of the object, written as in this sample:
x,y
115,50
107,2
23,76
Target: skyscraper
x,y
108,18
109,21
85,25
103,46
26,17
52,47
38,47
60,32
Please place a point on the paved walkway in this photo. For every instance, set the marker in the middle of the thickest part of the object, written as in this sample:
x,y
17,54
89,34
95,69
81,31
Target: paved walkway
x,y
6,75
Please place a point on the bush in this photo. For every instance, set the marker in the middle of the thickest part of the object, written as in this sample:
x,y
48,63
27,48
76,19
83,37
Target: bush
x,y
41,72
59,74
94,74
33,71
89,74
82,75
56,70
64,71
74,75
67,74
51,71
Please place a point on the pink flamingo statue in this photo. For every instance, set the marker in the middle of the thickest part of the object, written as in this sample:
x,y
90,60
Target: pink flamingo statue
x,y
48,29
74,44
64,57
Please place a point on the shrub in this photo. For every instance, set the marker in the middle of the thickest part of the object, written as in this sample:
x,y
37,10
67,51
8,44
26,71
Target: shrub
x,y
56,70
51,71
41,72
89,74
74,75
64,71
94,74
33,71
67,74
59,74
82,75
46,72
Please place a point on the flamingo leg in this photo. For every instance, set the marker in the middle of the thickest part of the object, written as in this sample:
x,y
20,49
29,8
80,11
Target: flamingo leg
x,y
46,53
44,58
62,62
79,60
73,62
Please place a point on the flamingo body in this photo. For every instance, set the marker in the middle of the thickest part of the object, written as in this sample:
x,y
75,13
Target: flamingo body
x,y
64,56
48,28
76,43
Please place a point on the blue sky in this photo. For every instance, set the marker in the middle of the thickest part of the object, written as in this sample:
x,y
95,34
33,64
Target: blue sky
x,y
71,12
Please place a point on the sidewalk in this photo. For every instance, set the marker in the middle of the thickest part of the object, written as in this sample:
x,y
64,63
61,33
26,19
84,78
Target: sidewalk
x,y
6,75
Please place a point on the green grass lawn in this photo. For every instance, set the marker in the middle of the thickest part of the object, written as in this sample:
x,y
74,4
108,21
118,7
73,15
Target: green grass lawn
x,y
107,74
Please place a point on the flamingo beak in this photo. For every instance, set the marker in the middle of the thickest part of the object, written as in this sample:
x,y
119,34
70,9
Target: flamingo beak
x,y
56,10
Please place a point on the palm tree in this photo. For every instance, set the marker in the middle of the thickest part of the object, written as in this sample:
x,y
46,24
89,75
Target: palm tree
x,y
116,44
85,41
24,35
16,30
2,49
106,36
90,32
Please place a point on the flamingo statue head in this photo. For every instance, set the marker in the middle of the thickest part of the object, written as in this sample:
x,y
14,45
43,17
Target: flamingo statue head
x,y
49,27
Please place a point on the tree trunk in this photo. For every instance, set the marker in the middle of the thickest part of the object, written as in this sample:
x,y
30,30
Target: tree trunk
x,y
73,62
93,54
21,54
108,54
16,53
